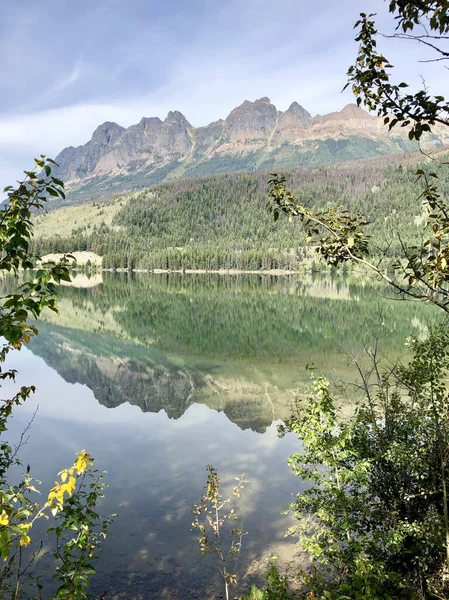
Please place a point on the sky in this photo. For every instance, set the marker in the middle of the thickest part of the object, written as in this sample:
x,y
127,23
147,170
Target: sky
x,y
66,67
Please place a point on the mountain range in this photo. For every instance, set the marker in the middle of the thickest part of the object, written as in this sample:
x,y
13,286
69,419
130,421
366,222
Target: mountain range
x,y
254,136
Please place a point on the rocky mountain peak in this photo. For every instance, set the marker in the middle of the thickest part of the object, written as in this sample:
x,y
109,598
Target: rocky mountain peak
x,y
149,126
349,112
150,120
352,111
251,121
299,112
253,134
174,116
107,133
291,125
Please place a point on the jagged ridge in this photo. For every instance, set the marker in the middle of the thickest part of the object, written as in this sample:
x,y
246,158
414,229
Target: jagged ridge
x,y
254,135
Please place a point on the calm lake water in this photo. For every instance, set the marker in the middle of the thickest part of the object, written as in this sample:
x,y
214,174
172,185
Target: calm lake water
x,y
159,375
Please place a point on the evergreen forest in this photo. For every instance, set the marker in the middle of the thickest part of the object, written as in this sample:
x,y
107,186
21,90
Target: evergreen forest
x,y
222,222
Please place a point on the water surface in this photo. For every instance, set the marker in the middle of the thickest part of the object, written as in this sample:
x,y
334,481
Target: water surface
x,y
159,375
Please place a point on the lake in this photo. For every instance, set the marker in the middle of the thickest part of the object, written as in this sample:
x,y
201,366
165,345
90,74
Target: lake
x,y
158,376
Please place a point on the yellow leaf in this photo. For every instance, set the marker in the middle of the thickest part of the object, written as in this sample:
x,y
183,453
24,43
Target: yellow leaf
x,y
350,242
25,540
82,462
4,520
67,487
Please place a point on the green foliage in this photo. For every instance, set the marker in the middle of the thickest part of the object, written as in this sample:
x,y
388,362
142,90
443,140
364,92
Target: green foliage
x,y
210,518
370,75
76,534
374,519
342,238
33,296
79,530
254,594
72,500
277,587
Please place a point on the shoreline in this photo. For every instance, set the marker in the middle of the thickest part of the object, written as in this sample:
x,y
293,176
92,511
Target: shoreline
x,y
206,271
273,272
90,262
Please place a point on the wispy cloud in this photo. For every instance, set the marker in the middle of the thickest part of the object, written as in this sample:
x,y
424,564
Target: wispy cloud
x,y
70,79
71,66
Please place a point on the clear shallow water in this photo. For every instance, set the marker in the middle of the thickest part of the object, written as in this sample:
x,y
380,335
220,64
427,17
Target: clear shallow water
x,y
158,376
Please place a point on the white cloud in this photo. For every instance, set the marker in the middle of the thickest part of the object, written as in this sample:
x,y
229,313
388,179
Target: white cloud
x,y
245,49
203,94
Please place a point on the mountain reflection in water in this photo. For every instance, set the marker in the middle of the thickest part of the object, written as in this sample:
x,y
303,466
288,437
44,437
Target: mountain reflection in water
x,y
236,344
159,375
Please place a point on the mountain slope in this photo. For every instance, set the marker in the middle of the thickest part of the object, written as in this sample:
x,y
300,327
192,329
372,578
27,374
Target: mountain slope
x,y
221,221
254,136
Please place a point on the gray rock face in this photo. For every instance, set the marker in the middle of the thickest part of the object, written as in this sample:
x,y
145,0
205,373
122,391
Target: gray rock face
x,y
208,137
80,162
291,125
176,137
250,121
113,147
300,113
253,128
150,140
106,134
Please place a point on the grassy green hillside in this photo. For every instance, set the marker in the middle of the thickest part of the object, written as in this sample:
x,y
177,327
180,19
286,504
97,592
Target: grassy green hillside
x,y
67,220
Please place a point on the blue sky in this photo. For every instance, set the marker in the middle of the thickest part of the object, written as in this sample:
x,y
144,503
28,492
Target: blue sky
x,y
68,66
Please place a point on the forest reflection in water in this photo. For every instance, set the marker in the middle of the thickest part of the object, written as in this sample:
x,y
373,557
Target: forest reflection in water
x,y
237,344
197,370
